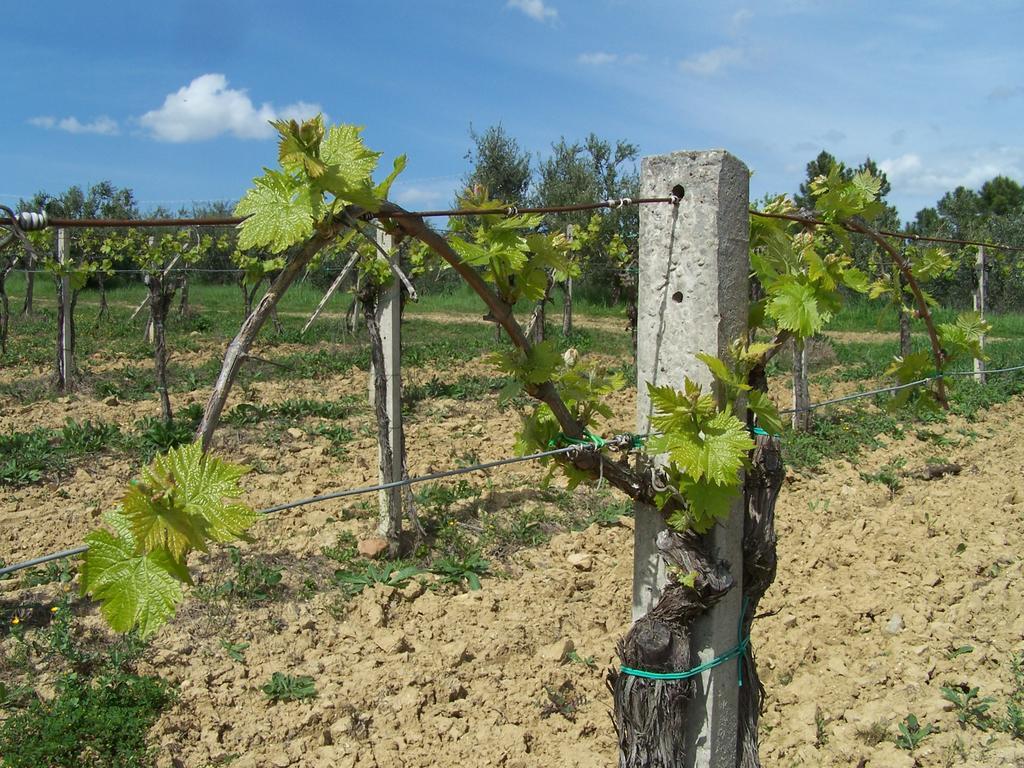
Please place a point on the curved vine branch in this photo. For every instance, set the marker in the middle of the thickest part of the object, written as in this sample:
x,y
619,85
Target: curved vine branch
x,y
617,474
238,349
922,306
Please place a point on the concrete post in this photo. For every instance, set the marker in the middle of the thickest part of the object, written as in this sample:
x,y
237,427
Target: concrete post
x,y
979,307
693,297
389,318
66,367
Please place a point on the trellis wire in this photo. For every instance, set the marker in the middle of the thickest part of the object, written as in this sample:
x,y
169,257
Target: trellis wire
x,y
812,222
510,210
893,388
334,495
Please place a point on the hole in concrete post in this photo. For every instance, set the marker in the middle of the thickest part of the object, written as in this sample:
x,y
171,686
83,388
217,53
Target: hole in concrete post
x,y
679,190
677,297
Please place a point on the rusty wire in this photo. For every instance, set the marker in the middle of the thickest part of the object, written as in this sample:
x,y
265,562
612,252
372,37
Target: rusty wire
x,y
812,222
227,221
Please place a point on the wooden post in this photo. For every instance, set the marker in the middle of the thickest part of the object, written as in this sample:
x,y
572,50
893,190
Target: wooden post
x,y
979,307
693,297
389,319
65,365
567,297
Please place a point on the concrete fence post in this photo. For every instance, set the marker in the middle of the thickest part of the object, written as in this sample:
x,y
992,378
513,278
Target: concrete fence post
x,y
389,318
694,271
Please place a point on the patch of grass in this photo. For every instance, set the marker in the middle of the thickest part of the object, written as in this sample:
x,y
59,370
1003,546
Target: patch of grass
x,y
28,457
303,407
252,582
98,712
89,437
157,436
235,651
61,572
840,436
345,550
100,721
524,528
338,435
889,475
247,414
606,513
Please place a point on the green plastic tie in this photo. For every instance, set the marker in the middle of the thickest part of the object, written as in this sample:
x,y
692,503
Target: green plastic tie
x,y
759,431
588,438
737,651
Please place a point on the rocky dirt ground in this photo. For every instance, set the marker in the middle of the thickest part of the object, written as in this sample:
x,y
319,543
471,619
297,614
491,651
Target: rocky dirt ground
x,y
878,595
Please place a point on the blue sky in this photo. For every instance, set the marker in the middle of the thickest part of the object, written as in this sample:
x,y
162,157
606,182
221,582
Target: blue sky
x,y
172,99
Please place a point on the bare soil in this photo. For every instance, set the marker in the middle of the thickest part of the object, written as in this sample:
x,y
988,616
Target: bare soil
x,y
874,594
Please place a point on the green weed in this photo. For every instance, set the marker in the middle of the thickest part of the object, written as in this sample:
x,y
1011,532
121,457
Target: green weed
x,y
235,651
354,582
345,549
889,475
912,733
970,708
253,581
458,570
282,687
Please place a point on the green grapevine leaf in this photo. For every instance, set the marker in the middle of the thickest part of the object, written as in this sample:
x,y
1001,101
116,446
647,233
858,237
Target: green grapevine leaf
x,y
716,452
180,502
855,280
708,502
382,190
281,211
677,411
964,336
299,147
795,307
137,590
349,166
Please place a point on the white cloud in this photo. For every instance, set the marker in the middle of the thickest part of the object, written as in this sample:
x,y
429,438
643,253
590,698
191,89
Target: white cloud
x,y
710,62
426,192
207,108
909,173
741,17
103,125
1005,92
604,59
535,9
597,58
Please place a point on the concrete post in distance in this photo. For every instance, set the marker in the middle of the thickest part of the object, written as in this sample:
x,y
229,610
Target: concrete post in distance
x,y
66,363
693,296
979,307
389,318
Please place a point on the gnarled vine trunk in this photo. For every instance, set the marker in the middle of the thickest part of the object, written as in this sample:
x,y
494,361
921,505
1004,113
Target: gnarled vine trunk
x,y
160,298
650,716
30,286
761,491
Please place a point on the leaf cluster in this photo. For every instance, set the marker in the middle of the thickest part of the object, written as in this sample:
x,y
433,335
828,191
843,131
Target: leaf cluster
x,y
511,251
322,170
184,500
705,448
